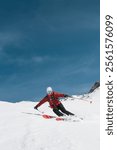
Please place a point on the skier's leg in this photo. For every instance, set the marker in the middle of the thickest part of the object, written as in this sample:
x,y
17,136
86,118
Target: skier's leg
x,y
57,112
62,108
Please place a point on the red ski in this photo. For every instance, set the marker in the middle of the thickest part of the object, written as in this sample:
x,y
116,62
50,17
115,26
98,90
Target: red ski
x,y
50,117
65,118
70,119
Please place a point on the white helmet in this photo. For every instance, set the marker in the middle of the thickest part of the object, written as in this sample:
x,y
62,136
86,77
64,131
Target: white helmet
x,y
49,90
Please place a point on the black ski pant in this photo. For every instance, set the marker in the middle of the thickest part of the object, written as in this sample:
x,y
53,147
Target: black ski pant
x,y
60,109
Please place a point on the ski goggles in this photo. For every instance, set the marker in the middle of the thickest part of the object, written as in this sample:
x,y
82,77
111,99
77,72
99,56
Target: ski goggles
x,y
49,92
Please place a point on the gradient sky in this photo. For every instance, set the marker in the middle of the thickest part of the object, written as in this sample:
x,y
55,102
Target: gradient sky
x,y
48,43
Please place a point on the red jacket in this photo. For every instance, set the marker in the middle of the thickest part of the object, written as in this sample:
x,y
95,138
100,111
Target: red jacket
x,y
52,99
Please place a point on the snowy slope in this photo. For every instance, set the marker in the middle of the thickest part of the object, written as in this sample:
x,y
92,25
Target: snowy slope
x,y
22,131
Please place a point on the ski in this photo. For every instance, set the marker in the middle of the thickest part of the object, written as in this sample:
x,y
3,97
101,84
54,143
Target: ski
x,y
48,116
68,119
64,118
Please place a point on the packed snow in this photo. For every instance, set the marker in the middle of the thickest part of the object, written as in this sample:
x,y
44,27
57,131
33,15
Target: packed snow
x,y
21,128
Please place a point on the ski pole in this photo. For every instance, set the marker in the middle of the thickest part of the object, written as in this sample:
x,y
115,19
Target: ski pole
x,y
72,98
82,99
40,111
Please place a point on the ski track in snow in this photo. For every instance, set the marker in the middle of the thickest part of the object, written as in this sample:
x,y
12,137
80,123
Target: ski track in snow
x,y
22,131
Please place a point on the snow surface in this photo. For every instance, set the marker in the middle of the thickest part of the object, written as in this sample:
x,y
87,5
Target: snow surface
x,y
22,129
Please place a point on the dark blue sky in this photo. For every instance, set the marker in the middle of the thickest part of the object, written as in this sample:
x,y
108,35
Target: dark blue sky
x,y
48,43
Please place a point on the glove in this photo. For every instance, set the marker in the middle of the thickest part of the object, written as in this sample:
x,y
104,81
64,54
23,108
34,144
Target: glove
x,y
66,95
35,107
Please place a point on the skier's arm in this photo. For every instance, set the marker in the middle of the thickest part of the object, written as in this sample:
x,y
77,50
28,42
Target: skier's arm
x,y
61,95
41,102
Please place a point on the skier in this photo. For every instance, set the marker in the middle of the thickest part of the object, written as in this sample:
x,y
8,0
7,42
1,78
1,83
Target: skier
x,y
53,98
